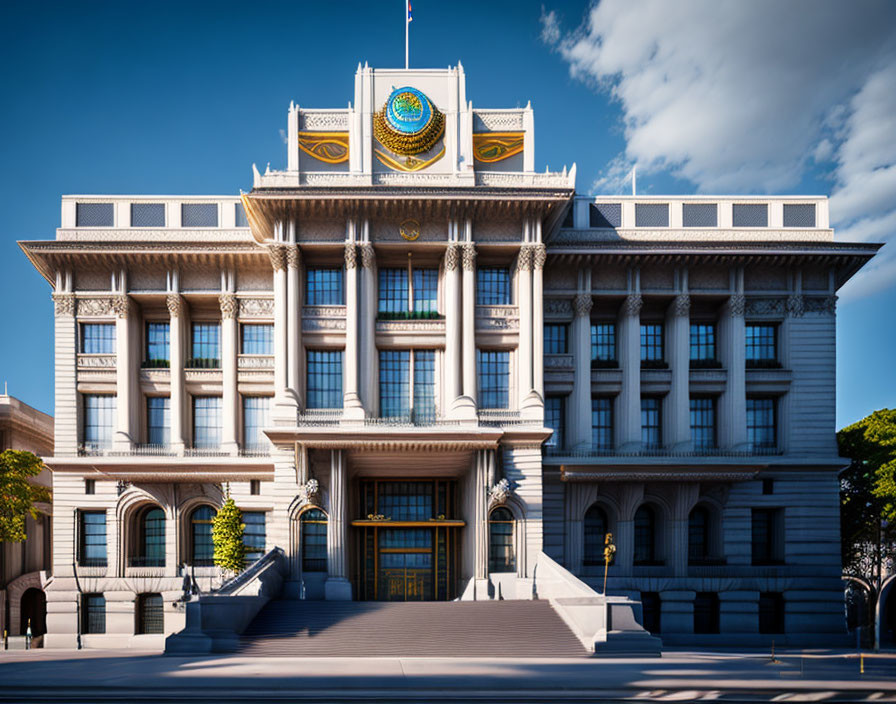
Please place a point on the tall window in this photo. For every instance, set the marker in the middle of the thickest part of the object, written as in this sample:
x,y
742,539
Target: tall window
x,y
324,378
603,345
150,614
645,536
767,536
651,344
323,287
426,290
393,291
92,539
203,549
501,556
703,423
257,339
206,421
396,299
152,539
761,424
706,612
762,347
99,421
256,417
555,339
602,423
158,420
494,378
703,344
313,526
651,424
698,535
492,286
206,346
158,345
424,384
771,612
98,338
254,535
596,527
399,371
93,613
554,411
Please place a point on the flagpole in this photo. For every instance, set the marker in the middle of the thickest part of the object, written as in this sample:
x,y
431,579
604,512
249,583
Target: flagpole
x,y
406,25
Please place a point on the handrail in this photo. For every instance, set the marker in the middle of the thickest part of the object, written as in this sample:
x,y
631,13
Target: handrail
x,y
251,572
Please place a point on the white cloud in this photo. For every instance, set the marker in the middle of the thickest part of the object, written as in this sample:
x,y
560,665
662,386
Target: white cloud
x,y
748,96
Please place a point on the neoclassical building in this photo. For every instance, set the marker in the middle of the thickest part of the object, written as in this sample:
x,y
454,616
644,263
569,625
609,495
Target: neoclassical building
x,y
424,371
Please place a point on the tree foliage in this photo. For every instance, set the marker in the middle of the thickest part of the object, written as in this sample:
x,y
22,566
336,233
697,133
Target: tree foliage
x,y
227,536
17,494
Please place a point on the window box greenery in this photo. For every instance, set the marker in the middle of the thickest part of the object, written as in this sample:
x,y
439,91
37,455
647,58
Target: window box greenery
x,y
410,315
156,364
203,363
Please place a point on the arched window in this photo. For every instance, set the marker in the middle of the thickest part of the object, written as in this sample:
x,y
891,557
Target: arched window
x,y
645,536
595,527
501,556
152,538
698,535
150,614
203,550
313,528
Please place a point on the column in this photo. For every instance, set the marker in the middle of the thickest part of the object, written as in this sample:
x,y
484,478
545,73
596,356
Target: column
x,y
732,353
124,371
337,586
524,304
352,408
453,317
293,319
580,425
628,406
369,395
177,339
677,405
539,258
65,361
469,320
281,314
480,522
229,396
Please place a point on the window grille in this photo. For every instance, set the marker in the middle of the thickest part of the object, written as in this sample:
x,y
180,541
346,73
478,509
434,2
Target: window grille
x,y
314,540
207,422
158,344
703,342
324,287
147,215
761,341
256,417
257,339
99,421
395,383
426,288
98,338
651,215
152,533
203,548
602,423
199,215
492,286
605,215
92,539
94,215
603,344
766,548
651,428
703,423
425,384
324,379
554,411
150,614
699,215
596,527
652,342
158,420
494,378
501,557
206,345
393,291
93,613
799,215
761,423
555,339
254,535
749,215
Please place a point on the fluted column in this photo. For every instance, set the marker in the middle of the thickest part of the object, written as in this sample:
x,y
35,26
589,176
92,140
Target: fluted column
x,y
453,315
125,371
480,515
628,406
229,400
469,320
580,426
524,291
337,586
177,335
281,315
368,330
352,408
539,258
732,349
677,410
293,319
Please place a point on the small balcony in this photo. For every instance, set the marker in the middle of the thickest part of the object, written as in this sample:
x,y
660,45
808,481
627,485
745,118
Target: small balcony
x,y
705,364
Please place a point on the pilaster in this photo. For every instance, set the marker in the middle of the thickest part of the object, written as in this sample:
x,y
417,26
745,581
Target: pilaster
x,y
337,587
125,373
294,319
676,411
368,305
66,396
628,427
352,407
539,257
453,317
580,427
524,305
469,320
229,396
733,401
177,341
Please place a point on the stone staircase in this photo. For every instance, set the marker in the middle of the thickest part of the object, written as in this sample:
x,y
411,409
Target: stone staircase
x,y
518,629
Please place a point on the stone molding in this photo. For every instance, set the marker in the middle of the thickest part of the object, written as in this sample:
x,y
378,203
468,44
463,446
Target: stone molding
x,y
228,305
469,257
795,305
323,311
503,120
324,120
308,493
681,306
499,493
96,361
95,306
410,325
736,305
632,305
64,305
558,307
121,304
826,305
766,306
256,307
582,305
452,257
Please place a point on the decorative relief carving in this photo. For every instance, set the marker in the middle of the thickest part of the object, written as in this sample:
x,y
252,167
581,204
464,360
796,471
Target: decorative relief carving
x,y
539,256
293,257
323,311
452,257
681,306
228,305
558,307
496,311
175,305
826,305
498,323
324,120
64,304
351,256
736,305
121,304
255,362
368,256
278,257
95,306
504,120
524,259
795,305
558,361
309,492
256,307
632,304
96,361
582,304
499,493
323,324
766,306
469,257
410,325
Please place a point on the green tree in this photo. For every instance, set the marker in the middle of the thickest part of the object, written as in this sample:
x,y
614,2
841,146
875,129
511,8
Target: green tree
x,y
227,536
17,494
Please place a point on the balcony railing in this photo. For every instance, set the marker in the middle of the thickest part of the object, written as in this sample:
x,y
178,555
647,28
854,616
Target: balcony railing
x,y
763,364
414,418
259,450
93,449
661,452
705,364
319,417
214,451
152,450
496,417
156,364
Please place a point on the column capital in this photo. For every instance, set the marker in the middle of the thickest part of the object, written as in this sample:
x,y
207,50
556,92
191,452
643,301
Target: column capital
x,y
175,305
228,305
351,256
524,258
796,305
452,257
681,305
64,305
278,256
368,256
736,305
631,306
582,305
293,257
121,304
469,258
539,256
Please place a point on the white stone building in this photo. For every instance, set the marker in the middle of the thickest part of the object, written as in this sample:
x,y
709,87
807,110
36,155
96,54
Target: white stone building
x,y
372,348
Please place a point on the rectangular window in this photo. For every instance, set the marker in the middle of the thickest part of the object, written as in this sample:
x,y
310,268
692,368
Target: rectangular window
x,y
799,215
206,346
699,215
255,487
749,215
94,215
92,539
651,425
158,420
761,424
651,215
393,291
158,344
426,290
324,379
199,215
555,339
239,216
652,345
98,338
602,423
90,486
703,423
605,215
494,378
93,613
603,345
147,215
207,422
703,344
425,384
257,339
99,421
492,286
256,417
554,412
395,383
767,536
254,535
324,287
762,347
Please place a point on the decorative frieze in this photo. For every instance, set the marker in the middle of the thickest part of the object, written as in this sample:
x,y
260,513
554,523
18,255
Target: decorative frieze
x,y
795,305
256,307
559,362
582,304
255,362
469,257
228,305
452,257
631,306
64,304
499,120
681,306
736,305
765,306
558,307
95,306
323,311
96,361
351,256
826,305
323,120
410,326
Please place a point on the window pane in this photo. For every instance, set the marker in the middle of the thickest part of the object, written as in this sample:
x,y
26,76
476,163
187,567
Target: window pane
x,y
314,541
500,549
153,547
749,215
93,539
97,338
703,341
605,215
206,344
158,342
761,433
151,614
761,341
239,216
595,528
699,215
698,535
602,423
393,291
147,215
652,342
158,420
256,417
603,342
651,429
201,536
645,536
554,407
703,423
426,290
425,384
94,215
324,378
99,421
395,383
254,535
494,378
651,215
555,341
206,421
323,287
94,616
492,286
257,339
199,215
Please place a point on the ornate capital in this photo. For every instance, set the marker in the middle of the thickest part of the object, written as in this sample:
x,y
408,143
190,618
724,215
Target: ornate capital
x,y
582,305
736,305
278,257
175,305
293,257
368,256
539,256
500,492
351,256
796,306
632,305
524,259
64,304
228,305
452,257
308,492
681,306
469,258
121,304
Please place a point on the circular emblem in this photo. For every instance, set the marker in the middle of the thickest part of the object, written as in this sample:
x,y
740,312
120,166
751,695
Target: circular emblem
x,y
409,230
408,110
409,123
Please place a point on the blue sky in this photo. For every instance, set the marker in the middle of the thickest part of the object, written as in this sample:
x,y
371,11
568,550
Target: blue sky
x,y
181,98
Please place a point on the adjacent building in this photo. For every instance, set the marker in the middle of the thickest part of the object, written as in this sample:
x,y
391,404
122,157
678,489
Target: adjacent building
x,y
421,367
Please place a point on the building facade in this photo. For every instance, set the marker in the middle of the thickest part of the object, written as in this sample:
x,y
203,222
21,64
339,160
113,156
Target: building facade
x,y
423,370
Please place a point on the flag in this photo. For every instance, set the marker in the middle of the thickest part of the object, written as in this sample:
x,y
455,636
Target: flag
x,y
410,16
